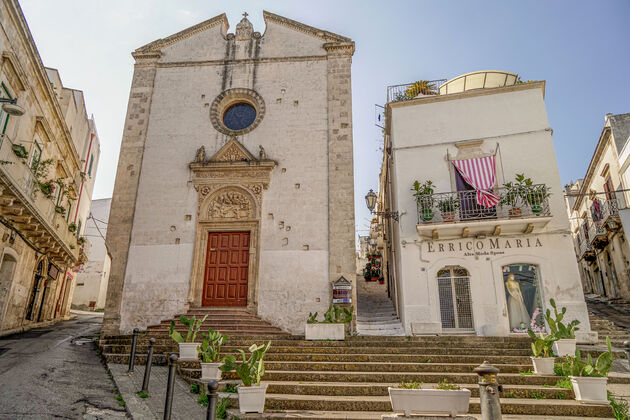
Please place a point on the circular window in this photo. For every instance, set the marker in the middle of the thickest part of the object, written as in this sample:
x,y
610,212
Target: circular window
x,y
239,116
237,111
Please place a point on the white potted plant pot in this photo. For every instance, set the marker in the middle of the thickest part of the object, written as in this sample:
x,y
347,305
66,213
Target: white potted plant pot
x,y
543,365
251,399
430,401
324,331
590,390
188,351
564,347
210,371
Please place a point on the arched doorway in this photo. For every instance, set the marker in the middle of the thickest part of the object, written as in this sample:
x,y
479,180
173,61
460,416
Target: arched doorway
x,y
7,269
455,301
37,282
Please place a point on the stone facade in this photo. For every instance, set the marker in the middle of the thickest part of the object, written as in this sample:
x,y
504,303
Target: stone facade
x,y
287,178
599,213
45,187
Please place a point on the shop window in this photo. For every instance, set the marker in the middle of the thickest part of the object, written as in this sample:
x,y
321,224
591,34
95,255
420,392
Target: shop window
x,y
523,297
455,301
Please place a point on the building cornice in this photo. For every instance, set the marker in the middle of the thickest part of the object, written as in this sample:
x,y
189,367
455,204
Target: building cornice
x,y
300,27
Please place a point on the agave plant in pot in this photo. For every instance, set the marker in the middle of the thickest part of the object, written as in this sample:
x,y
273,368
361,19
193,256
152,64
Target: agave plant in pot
x,y
251,393
542,358
564,334
589,378
187,346
210,355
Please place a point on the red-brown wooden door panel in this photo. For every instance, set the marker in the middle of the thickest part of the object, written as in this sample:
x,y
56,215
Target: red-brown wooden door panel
x,y
227,267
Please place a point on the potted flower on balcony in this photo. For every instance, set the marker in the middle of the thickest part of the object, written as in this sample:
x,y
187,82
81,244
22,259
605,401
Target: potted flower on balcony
x,y
424,196
564,334
513,195
47,188
333,325
187,346
535,196
210,355
589,378
60,210
542,358
445,399
448,207
72,227
20,151
251,393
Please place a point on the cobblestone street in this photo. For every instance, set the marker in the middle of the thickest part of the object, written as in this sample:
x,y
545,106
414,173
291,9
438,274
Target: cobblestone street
x,y
55,372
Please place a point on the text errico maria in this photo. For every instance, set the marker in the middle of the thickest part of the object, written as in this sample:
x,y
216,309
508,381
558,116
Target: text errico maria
x,y
475,247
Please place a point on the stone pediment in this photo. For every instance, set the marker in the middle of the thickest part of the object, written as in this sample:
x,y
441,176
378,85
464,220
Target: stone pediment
x,y
233,151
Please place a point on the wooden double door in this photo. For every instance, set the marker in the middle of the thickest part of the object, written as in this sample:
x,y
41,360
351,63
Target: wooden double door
x,y
227,268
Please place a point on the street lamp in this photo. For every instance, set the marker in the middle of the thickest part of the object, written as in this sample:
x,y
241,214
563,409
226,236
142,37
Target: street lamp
x,y
370,201
11,107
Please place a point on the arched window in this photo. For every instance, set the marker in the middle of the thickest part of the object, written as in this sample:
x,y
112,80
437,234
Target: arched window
x,y
523,297
455,301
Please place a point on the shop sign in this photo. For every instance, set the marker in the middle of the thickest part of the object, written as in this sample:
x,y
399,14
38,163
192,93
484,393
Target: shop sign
x,y
478,247
53,271
342,291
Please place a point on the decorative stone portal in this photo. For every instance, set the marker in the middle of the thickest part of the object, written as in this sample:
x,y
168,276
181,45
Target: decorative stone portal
x,y
230,188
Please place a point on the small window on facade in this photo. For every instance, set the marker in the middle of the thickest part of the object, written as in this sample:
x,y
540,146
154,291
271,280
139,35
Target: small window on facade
x,y
90,167
36,155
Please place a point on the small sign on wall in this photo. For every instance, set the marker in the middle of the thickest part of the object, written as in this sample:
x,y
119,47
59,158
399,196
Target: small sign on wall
x,y
342,291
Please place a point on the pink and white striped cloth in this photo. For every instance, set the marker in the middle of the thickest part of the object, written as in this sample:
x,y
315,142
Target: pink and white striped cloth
x,y
480,173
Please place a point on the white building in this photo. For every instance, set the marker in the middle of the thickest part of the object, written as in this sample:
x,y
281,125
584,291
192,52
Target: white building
x,y
457,264
92,277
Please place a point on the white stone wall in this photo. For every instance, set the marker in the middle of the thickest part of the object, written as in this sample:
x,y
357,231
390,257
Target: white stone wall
x,y
288,69
423,136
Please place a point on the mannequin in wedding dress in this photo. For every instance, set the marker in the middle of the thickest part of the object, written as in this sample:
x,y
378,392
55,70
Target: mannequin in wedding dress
x,y
516,306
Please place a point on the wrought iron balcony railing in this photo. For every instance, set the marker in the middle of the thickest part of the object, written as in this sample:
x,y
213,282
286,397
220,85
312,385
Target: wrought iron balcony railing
x,y
462,206
610,208
408,91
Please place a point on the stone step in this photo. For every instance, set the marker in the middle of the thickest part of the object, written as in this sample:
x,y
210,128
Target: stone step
x,y
382,404
390,321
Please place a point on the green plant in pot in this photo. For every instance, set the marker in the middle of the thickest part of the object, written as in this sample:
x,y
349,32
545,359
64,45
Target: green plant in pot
x,y
251,394
187,346
564,334
20,151
589,377
448,207
542,350
536,196
424,196
333,325
210,355
513,194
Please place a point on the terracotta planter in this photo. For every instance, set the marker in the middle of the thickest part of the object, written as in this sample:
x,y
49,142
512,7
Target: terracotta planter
x,y
374,278
564,347
210,371
188,351
515,212
430,401
251,399
543,365
448,216
325,331
590,390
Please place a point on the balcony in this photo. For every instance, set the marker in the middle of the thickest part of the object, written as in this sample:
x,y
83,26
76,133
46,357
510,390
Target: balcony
x,y
457,214
610,215
585,249
407,91
597,233
28,210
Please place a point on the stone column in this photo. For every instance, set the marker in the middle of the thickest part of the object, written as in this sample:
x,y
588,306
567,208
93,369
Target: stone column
x,y
126,185
341,249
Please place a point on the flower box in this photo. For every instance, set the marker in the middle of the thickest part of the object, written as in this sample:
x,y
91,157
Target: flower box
x,y
188,351
590,390
543,365
430,401
251,399
564,347
324,331
210,371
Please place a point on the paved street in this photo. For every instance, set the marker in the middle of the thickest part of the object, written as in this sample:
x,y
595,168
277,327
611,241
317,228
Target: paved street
x,y
617,311
55,372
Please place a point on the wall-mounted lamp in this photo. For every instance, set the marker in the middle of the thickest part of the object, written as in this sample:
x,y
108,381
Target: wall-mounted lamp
x,y
11,107
370,201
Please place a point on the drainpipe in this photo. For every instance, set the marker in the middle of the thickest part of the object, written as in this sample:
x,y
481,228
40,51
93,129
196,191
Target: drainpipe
x,y
87,159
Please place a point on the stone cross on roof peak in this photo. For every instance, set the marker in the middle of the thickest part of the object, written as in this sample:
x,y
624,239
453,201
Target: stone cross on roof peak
x,y
245,14
244,29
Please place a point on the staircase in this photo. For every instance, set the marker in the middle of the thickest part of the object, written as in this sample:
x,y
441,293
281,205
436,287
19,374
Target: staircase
x,y
605,327
376,315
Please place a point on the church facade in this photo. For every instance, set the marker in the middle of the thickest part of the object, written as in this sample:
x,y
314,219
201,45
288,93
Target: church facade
x,y
235,178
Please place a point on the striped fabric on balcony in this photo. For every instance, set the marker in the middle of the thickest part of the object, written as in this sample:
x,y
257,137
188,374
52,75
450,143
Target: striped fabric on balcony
x,y
480,173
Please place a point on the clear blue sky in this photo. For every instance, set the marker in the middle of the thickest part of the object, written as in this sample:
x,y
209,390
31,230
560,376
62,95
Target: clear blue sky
x,y
581,48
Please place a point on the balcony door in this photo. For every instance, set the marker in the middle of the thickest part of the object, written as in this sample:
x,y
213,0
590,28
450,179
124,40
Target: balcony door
x,y
468,206
455,301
